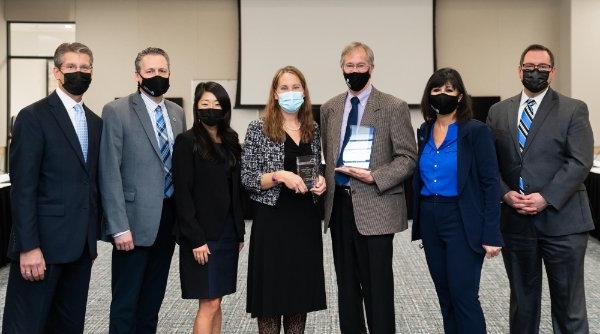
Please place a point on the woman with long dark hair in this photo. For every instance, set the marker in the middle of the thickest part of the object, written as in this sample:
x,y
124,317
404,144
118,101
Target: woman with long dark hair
x,y
210,226
457,199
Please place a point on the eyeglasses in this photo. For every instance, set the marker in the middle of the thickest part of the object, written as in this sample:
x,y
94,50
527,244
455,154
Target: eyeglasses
x,y
361,67
540,67
73,68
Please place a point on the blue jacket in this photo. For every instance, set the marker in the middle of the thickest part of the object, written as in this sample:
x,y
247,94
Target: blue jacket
x,y
478,184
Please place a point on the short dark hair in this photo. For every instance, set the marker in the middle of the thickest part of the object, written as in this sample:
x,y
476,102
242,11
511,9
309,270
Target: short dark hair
x,y
150,51
71,47
440,78
536,47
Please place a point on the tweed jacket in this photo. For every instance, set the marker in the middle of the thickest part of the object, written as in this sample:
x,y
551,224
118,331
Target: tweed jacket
x,y
262,155
379,208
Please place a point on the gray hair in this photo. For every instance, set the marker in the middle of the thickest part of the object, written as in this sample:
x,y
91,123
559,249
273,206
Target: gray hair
x,y
355,45
71,47
150,51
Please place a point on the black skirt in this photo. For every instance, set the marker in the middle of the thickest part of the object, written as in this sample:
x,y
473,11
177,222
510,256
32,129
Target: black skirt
x,y
285,264
216,278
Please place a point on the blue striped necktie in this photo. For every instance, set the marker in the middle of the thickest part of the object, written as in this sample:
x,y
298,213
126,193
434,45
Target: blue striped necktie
x,y
81,129
165,150
524,127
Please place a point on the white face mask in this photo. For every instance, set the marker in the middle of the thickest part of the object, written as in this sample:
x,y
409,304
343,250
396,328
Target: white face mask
x,y
291,101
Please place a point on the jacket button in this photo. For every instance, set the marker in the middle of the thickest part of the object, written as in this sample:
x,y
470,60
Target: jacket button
x,y
353,192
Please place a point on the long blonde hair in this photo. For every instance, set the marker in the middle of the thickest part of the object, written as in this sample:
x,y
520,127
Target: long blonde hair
x,y
272,118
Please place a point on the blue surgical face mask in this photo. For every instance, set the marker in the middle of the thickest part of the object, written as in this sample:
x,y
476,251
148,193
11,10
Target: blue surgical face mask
x,y
291,101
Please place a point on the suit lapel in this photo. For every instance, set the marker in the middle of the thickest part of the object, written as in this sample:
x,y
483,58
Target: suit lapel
x,y
62,117
368,118
336,118
545,108
464,156
175,126
92,134
512,117
140,109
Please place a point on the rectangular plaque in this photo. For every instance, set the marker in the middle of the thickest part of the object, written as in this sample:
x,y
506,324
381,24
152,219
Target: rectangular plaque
x,y
308,169
357,152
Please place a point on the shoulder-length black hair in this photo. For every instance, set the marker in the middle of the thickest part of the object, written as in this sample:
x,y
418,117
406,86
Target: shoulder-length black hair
x,y
440,78
203,143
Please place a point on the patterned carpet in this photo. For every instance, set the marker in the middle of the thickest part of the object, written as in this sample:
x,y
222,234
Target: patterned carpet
x,y
417,309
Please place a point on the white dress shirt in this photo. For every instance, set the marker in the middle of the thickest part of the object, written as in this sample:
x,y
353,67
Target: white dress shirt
x,y
538,100
69,104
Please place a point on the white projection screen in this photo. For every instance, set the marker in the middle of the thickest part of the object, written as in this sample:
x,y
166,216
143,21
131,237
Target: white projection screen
x,y
310,35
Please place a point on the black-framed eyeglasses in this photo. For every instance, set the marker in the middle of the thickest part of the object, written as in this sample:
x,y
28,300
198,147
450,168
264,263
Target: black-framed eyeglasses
x,y
540,67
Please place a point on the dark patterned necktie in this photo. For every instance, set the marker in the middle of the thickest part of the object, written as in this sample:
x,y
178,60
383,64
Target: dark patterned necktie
x,y
341,178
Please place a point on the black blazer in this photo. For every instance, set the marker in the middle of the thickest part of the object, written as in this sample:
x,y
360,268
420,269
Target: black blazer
x,y
478,184
54,194
203,196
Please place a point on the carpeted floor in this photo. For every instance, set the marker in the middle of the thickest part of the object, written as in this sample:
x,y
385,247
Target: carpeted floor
x,y
417,309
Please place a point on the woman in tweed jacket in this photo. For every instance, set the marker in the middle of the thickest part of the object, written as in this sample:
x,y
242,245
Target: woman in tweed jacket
x,y
285,265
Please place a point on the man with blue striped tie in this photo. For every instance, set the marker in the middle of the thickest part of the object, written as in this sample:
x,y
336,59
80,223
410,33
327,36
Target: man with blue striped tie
x,y
544,144
136,184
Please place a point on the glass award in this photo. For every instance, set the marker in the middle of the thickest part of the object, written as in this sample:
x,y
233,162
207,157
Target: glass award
x,y
308,169
357,152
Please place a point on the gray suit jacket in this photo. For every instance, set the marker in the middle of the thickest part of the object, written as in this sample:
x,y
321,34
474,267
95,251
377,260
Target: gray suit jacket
x,y
379,208
131,169
556,160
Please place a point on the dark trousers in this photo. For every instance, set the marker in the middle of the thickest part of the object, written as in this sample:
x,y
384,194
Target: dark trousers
x,y
454,266
363,266
55,304
563,258
139,280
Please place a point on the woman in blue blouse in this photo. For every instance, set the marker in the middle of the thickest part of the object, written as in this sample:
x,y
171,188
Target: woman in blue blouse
x,y
457,199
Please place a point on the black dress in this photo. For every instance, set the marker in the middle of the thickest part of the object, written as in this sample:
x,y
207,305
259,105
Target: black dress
x,y
285,265
218,277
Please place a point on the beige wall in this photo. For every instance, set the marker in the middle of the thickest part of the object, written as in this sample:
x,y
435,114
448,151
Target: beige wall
x,y
483,40
585,48
201,38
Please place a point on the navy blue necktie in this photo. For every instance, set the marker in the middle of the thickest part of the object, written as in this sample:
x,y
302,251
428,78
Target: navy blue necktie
x,y
340,178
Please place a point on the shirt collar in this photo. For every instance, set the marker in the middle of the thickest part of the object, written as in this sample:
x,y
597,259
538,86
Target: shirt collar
x,y
150,104
363,96
538,98
66,100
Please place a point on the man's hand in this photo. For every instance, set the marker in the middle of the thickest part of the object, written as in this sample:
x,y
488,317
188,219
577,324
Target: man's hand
x,y
124,242
363,175
32,265
531,204
534,204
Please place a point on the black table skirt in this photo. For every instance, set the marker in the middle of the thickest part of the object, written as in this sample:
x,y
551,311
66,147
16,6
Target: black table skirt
x,y
5,224
592,183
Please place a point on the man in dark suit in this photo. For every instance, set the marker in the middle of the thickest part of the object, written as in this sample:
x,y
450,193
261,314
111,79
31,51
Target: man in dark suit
x,y
365,207
544,143
55,203
137,187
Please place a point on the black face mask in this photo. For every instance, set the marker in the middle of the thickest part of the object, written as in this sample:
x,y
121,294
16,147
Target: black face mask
x,y
535,81
76,83
357,81
443,103
154,86
210,117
